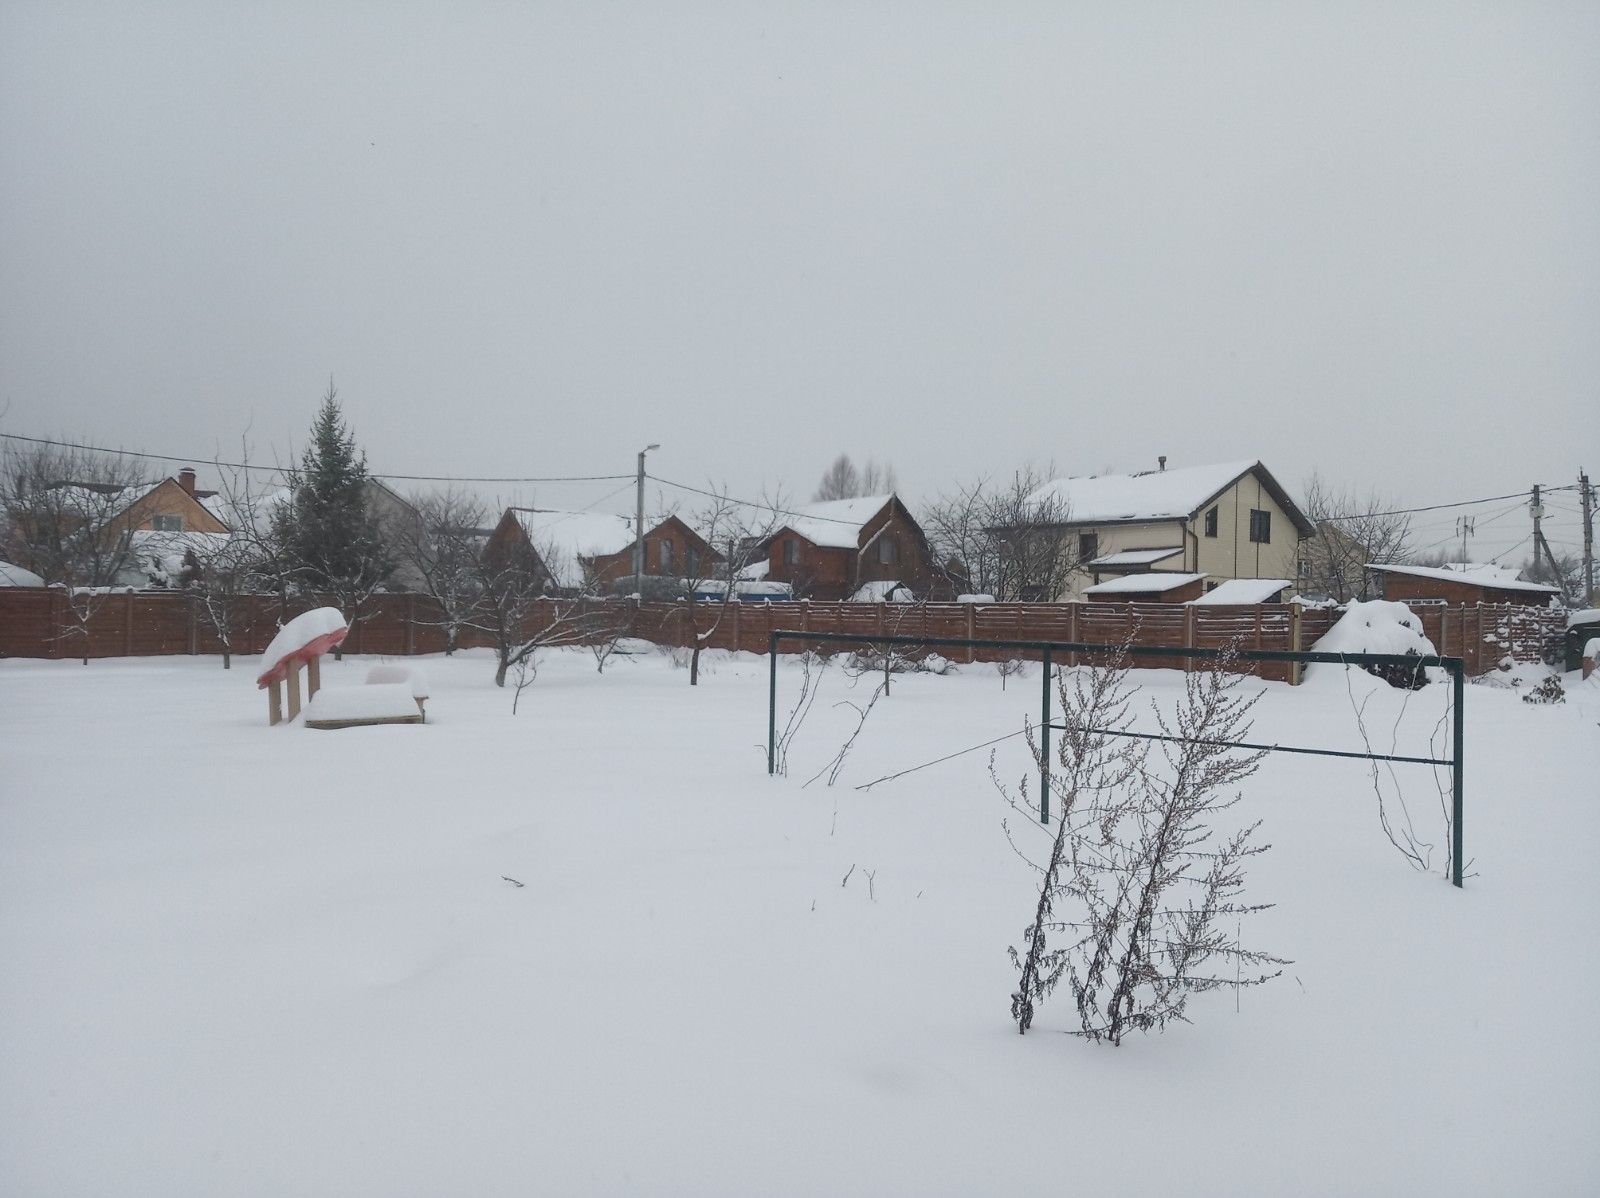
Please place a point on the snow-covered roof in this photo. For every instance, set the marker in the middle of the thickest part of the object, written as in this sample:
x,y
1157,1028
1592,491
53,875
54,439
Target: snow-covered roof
x,y
883,591
1151,495
1138,584
1500,578
1243,590
16,576
1589,615
837,523
1134,557
562,539
756,570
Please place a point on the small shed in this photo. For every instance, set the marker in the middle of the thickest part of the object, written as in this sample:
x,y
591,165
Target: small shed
x,y
1460,584
1147,588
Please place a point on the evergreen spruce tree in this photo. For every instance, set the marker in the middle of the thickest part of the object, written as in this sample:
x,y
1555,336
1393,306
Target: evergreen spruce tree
x,y
328,532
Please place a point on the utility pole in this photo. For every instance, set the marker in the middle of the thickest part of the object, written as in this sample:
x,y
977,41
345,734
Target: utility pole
x,y
638,523
1535,509
1586,494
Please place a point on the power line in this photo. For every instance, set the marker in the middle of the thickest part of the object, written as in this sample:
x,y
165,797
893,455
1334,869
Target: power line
x,y
205,460
765,507
1437,507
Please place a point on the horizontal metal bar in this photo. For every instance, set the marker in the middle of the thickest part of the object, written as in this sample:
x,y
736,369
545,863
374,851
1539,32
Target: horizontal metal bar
x,y
1239,744
1452,664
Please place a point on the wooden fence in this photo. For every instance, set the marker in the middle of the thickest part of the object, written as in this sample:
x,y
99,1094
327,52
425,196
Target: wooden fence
x,y
38,623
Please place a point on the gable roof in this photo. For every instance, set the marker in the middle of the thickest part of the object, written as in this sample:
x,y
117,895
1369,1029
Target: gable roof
x,y
836,523
1480,574
564,539
1153,495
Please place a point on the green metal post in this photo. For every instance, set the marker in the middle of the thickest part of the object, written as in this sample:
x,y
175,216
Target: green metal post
x,y
1458,692
772,705
1044,746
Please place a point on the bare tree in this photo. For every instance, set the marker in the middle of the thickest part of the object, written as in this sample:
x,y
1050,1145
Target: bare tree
x,y
1351,531
737,531
844,480
1139,886
443,547
67,520
1004,539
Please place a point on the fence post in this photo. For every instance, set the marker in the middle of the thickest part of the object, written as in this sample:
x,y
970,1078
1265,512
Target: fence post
x,y
127,624
193,628
737,606
1072,632
411,623
1458,692
1188,637
1296,669
772,700
1044,745
972,632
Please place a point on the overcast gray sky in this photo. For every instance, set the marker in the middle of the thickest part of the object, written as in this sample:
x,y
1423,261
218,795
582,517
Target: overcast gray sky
x,y
528,239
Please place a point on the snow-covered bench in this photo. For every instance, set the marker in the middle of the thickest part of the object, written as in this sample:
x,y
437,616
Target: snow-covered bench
x,y
300,642
358,706
409,676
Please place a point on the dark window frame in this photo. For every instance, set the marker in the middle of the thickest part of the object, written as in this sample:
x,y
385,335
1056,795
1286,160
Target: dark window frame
x,y
1211,522
1260,526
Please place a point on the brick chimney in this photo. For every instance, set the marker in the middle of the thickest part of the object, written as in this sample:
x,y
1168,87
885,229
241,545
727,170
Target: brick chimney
x,y
186,479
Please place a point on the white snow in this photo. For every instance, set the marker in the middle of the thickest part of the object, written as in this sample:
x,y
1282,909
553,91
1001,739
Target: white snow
x,y
1499,578
1589,615
976,598
298,633
1142,584
1591,649
1242,590
837,523
256,962
1152,495
1135,557
1377,626
370,701
883,591
411,676
16,576
564,539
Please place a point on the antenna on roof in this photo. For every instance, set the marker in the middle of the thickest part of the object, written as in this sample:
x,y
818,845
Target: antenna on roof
x,y
1163,461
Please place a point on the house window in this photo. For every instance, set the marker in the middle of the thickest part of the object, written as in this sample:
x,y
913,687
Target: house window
x,y
691,561
791,552
664,556
1210,586
888,550
1260,526
1211,523
1088,546
167,523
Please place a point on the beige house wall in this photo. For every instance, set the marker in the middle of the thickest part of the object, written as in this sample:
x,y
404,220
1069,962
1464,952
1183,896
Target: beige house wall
x,y
1114,538
1231,553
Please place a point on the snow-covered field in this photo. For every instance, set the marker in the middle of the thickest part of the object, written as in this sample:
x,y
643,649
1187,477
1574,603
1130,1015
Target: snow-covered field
x,y
236,960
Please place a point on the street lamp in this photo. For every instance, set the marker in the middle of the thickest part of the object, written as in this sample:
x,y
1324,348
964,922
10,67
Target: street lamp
x,y
638,524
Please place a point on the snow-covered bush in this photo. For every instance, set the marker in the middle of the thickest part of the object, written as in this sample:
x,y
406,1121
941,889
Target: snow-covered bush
x,y
1547,690
1381,626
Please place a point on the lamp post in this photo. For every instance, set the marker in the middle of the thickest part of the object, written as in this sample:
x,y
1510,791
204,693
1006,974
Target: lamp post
x,y
638,524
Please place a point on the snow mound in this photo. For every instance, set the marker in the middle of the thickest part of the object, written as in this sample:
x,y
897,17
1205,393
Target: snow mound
x,y
300,635
392,674
1379,626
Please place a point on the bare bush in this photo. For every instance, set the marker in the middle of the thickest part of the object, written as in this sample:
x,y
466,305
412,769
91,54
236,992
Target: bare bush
x,y
1138,885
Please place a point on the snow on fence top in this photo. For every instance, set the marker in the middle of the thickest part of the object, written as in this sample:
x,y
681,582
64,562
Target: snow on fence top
x,y
1378,626
308,635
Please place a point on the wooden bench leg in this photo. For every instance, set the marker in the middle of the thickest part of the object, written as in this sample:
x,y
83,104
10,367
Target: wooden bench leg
x,y
274,704
294,689
313,677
